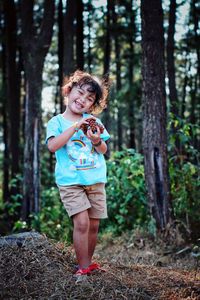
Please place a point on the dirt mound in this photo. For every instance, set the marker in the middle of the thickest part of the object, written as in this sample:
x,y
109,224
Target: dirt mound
x,y
35,268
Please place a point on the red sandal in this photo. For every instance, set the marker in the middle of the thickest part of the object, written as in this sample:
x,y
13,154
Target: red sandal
x,y
81,272
95,266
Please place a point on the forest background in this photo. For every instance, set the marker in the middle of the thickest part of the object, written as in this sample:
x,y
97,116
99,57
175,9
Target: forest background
x,y
149,51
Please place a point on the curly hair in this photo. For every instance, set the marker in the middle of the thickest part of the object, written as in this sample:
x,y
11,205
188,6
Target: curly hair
x,y
97,86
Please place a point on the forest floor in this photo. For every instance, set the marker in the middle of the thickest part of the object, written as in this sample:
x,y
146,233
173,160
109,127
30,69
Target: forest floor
x,y
34,267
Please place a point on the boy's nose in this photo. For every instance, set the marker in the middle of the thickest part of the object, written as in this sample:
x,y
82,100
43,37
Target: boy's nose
x,y
82,98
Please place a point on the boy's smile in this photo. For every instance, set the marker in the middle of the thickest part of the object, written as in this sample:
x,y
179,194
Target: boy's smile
x,y
80,99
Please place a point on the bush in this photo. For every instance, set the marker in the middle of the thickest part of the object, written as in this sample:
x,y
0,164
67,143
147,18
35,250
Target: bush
x,y
127,207
52,219
185,174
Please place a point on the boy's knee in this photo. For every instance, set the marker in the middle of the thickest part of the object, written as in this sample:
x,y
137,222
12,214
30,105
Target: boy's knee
x,y
81,225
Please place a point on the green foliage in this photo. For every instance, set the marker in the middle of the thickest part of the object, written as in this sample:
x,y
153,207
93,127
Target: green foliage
x,y
127,207
183,138
185,189
52,219
13,206
185,173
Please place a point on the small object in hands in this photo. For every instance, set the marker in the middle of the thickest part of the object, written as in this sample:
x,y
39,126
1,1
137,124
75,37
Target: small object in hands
x,y
92,124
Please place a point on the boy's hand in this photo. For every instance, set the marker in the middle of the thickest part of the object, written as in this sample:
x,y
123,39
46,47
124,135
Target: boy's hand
x,y
91,124
94,137
84,121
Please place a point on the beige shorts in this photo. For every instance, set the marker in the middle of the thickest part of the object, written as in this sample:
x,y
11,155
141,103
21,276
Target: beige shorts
x,y
77,198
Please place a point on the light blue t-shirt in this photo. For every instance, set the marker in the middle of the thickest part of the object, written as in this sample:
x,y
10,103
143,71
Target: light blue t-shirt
x,y
77,162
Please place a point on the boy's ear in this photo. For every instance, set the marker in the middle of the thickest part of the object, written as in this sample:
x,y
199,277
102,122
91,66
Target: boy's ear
x,y
66,89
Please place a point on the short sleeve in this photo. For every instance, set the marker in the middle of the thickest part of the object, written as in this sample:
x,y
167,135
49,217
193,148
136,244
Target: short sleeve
x,y
53,128
105,135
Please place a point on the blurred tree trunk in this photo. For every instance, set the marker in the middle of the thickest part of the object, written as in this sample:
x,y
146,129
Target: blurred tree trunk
x,y
131,35
107,49
60,52
195,16
68,64
170,58
195,108
118,76
185,83
12,85
34,50
79,35
6,193
89,24
193,94
106,64
154,112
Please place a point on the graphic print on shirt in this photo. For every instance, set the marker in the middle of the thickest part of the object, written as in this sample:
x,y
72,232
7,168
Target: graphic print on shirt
x,y
82,154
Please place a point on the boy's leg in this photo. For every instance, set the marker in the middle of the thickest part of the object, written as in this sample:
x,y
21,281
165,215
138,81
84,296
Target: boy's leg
x,y
92,237
80,238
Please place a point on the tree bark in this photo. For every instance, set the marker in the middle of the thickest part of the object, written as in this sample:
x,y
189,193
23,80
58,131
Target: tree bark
x,y
60,51
34,50
68,64
89,25
154,113
12,83
195,17
118,76
79,35
170,58
131,35
6,192
107,49
195,114
106,64
185,83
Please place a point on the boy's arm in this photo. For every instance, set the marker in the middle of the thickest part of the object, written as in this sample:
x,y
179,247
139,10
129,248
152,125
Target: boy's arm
x,y
101,148
55,143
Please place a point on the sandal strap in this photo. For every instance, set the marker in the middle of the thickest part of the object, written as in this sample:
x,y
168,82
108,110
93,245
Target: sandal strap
x,y
94,266
83,272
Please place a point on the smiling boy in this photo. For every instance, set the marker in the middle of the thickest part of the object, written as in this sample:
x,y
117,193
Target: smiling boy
x,y
80,165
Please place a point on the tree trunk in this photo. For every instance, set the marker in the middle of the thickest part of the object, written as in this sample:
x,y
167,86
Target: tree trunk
x,y
106,64
154,112
193,94
195,16
6,193
60,51
107,49
195,115
131,35
89,25
34,49
118,77
170,58
68,64
185,83
12,85
79,35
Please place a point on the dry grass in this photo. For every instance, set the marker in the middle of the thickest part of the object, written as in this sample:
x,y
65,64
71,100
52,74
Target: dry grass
x,y
36,268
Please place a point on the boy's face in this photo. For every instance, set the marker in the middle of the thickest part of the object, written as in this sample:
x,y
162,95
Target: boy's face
x,y
80,99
